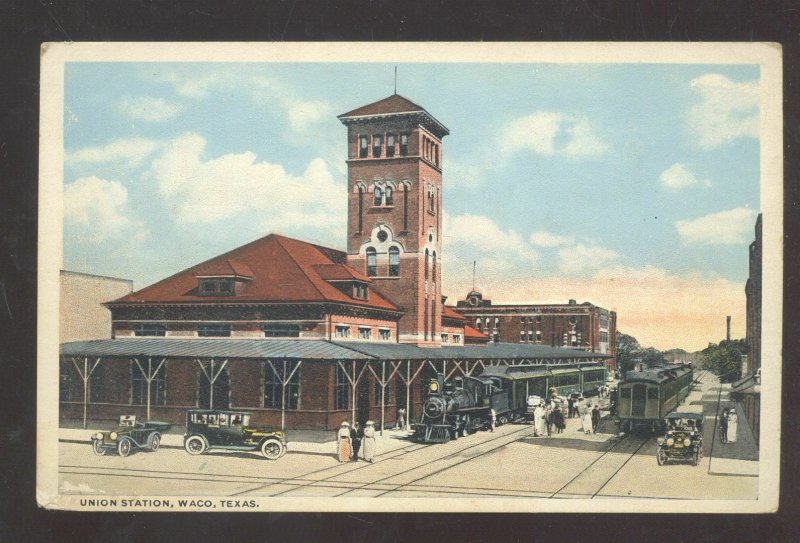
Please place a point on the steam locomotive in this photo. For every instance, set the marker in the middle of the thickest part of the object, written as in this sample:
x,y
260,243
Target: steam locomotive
x,y
463,406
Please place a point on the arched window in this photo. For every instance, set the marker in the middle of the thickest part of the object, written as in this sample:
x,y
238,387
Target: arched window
x,y
433,259
372,262
394,262
388,200
430,201
426,264
405,207
378,196
360,209
479,324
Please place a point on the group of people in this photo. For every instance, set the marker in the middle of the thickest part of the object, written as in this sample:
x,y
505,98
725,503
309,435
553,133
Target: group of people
x,y
351,441
728,425
547,417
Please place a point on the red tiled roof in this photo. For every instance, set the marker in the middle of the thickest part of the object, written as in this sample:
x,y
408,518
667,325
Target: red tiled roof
x,y
393,104
340,272
451,313
472,333
283,270
224,268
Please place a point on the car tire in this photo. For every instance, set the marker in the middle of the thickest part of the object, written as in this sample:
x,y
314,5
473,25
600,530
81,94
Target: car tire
x,y
195,445
154,442
502,420
97,447
124,447
661,457
272,449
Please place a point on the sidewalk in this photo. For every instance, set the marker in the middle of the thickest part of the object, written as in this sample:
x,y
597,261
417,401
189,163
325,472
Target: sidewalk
x,y
318,441
740,457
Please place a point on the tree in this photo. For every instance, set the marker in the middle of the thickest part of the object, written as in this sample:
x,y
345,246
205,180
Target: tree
x,y
628,350
652,357
725,359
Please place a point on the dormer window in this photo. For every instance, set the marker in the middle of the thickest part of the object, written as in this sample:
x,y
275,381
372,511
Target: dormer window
x,y
222,286
360,291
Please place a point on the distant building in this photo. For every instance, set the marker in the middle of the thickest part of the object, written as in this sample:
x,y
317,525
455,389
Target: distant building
x,y
748,389
574,326
82,313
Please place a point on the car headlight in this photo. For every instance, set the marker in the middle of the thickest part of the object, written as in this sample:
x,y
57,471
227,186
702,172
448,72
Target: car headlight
x,y
670,442
687,441
660,440
113,435
98,435
434,387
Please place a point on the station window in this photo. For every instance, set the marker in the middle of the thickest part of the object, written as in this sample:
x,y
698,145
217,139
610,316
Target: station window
x,y
158,384
342,331
364,333
445,338
386,395
394,262
372,262
403,144
378,194
377,144
363,147
274,393
214,330
390,142
342,389
216,287
457,338
388,196
281,330
149,330
384,334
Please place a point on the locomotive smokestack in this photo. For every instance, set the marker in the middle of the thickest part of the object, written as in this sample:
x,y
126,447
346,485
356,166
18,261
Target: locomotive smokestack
x,y
728,335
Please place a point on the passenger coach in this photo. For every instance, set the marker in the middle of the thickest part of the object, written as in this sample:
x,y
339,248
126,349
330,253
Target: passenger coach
x,y
645,397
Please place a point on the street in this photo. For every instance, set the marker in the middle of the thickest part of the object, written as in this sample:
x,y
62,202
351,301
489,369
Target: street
x,y
507,463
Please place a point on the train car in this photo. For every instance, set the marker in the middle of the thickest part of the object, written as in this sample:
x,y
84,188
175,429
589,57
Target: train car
x,y
463,405
645,397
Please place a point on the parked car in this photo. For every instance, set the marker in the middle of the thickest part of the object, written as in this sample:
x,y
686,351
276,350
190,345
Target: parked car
x,y
129,435
683,439
225,429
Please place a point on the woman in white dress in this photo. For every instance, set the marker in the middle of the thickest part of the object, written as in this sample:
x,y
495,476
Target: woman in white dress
x,y
369,444
344,446
733,425
538,421
587,421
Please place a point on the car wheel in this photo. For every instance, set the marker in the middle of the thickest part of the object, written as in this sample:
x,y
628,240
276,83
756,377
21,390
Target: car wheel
x,y
661,457
503,419
272,449
154,441
195,445
98,448
124,447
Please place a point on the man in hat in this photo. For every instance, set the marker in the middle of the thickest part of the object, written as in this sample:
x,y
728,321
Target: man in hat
x,y
344,447
355,437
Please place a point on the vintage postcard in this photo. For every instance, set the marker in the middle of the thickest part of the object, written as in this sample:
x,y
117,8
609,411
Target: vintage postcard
x,y
510,277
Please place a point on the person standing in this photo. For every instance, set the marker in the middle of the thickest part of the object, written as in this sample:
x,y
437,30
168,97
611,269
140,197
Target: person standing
x,y
356,434
571,406
723,426
587,421
538,421
595,418
344,447
370,444
548,420
733,425
558,420
492,419
401,419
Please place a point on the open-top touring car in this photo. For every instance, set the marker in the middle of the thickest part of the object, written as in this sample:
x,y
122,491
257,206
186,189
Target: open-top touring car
x,y
129,435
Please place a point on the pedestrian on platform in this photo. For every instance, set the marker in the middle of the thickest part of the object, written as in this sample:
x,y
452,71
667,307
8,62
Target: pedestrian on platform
x,y
548,420
401,419
370,445
356,435
538,420
733,425
723,426
587,421
595,418
571,406
344,447
492,419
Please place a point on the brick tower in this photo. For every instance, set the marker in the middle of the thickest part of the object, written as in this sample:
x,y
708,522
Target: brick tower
x,y
394,218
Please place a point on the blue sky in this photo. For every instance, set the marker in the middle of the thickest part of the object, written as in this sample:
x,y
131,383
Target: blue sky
x,y
633,186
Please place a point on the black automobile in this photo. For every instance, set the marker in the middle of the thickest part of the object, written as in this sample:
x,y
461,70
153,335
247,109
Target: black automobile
x,y
129,435
225,429
683,440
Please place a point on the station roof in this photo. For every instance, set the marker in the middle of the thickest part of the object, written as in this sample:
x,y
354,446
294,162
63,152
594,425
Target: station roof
x,y
309,349
391,106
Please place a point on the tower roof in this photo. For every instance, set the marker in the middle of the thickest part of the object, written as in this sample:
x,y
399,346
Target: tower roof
x,y
394,106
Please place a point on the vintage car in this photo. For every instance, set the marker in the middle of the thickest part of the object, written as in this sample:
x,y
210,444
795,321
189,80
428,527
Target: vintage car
x,y
225,429
128,435
683,439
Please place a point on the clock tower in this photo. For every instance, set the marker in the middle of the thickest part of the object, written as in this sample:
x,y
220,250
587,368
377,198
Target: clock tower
x,y
394,182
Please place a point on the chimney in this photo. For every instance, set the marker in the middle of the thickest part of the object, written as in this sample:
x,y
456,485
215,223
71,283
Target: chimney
x,y
573,302
728,335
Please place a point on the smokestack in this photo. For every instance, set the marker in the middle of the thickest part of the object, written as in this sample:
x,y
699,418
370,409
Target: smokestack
x,y
728,335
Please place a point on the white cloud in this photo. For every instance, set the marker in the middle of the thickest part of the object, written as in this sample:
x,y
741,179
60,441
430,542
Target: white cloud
x,y
582,257
149,109
726,110
678,176
206,191
303,115
129,150
550,133
548,239
98,205
725,227
483,234
195,86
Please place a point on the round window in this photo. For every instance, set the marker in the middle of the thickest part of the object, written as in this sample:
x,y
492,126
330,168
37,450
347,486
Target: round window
x,y
382,236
